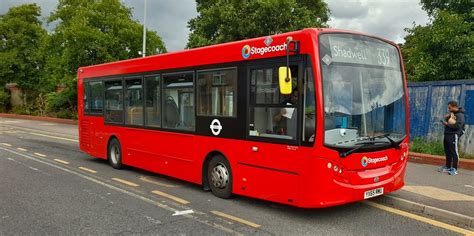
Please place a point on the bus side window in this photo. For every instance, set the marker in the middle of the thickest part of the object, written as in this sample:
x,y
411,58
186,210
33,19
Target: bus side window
x,y
134,101
153,100
217,92
113,101
96,96
178,101
85,85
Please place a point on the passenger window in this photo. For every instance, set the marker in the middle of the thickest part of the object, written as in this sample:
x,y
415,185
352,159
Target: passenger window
x,y
113,101
134,101
217,91
96,97
153,101
85,86
273,115
178,101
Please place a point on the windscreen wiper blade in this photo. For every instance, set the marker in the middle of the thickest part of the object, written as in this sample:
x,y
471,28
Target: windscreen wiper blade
x,y
361,145
387,136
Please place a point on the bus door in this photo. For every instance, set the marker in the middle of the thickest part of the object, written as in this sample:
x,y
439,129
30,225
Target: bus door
x,y
268,166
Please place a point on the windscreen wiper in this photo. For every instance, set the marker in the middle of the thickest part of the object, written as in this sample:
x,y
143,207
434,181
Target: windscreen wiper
x,y
387,136
361,145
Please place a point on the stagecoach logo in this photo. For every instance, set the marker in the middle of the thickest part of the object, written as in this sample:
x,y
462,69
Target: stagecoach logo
x,y
247,50
216,127
365,161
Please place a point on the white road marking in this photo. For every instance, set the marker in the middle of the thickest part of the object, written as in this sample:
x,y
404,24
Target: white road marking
x,y
180,213
9,121
132,194
55,137
154,221
47,124
36,130
25,165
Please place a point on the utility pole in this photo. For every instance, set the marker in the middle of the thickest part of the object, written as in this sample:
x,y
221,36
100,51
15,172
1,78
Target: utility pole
x,y
144,29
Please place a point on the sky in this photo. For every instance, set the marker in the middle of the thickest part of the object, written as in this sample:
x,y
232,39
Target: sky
x,y
385,18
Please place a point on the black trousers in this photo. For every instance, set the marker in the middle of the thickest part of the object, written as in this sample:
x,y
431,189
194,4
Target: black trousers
x,y
451,150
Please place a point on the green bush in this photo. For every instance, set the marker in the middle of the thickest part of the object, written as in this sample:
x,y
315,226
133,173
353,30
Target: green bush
x,y
432,147
21,110
63,101
4,100
69,113
424,146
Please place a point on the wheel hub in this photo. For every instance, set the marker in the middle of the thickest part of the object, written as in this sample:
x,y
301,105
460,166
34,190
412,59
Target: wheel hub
x,y
220,176
114,154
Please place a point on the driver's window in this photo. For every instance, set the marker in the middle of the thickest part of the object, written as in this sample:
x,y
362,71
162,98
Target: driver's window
x,y
273,115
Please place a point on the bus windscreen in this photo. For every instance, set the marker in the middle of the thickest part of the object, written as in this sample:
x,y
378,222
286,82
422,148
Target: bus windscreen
x,y
363,90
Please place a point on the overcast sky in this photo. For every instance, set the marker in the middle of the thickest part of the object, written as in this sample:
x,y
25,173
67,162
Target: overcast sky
x,y
385,18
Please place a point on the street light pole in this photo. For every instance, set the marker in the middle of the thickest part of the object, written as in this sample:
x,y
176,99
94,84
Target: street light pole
x,y
144,29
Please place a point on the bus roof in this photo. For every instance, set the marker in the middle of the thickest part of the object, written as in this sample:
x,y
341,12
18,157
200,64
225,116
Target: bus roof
x,y
248,49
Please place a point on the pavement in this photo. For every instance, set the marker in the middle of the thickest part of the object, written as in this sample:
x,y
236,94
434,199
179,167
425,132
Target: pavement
x,y
439,195
45,181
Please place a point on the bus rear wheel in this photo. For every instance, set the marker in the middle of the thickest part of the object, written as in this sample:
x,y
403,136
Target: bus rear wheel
x,y
219,176
115,154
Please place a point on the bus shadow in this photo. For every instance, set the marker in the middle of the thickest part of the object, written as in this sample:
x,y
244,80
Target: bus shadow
x,y
296,212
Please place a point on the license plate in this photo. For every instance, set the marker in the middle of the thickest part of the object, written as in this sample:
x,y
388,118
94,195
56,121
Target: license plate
x,y
373,193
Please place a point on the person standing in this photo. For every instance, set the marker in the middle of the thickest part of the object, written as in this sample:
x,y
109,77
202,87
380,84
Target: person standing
x,y
453,129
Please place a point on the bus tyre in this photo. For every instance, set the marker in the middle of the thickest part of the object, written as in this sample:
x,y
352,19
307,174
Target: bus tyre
x,y
115,154
219,176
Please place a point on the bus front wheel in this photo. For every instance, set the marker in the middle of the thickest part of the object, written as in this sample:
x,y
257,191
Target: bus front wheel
x,y
115,154
219,176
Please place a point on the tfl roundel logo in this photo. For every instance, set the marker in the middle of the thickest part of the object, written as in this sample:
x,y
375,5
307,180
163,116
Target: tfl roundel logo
x,y
246,51
364,161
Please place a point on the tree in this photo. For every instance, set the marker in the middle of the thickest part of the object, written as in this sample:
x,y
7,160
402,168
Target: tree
x,y
21,34
455,6
222,21
443,49
92,32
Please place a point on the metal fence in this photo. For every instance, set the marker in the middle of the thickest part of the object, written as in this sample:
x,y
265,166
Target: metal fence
x,y
428,104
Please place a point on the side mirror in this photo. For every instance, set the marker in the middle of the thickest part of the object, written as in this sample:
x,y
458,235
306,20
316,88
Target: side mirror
x,y
284,77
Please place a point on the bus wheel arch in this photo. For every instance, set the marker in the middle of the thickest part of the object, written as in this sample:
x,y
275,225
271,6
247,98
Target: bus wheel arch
x,y
217,175
114,152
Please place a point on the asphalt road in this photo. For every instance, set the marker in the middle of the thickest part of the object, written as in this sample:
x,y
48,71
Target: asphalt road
x,y
48,186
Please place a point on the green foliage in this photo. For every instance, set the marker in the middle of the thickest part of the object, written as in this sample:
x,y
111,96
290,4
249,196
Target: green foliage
x,y
4,100
93,32
61,101
424,146
432,147
69,113
87,32
456,6
41,103
222,21
441,50
21,34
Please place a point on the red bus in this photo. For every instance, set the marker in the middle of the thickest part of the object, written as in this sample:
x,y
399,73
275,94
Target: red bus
x,y
311,118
